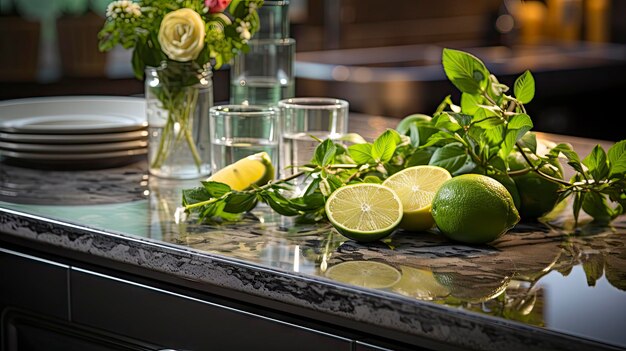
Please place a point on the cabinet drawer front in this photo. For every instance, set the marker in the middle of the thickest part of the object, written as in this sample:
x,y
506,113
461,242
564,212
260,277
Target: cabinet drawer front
x,y
33,284
180,322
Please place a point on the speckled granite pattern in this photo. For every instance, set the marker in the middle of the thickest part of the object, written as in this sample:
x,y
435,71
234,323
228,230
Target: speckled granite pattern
x,y
374,307
489,297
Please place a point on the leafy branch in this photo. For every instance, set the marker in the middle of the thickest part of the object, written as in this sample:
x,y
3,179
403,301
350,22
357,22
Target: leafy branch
x,y
484,135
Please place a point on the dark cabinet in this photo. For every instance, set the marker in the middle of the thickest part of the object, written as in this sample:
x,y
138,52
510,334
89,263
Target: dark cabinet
x,y
33,284
28,332
184,323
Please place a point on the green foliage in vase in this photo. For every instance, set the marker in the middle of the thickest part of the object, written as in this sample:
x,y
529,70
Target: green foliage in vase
x,y
480,135
220,34
181,39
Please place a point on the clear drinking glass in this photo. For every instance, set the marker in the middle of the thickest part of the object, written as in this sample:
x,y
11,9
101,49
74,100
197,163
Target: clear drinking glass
x,y
264,75
303,118
238,131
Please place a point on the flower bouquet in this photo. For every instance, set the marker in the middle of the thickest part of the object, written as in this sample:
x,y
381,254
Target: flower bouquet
x,y
175,43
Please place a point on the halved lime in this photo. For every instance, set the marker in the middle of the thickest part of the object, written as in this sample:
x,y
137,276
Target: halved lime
x,y
420,284
367,274
255,169
416,187
364,212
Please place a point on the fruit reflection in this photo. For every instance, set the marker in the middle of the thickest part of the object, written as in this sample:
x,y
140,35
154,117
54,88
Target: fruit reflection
x,y
420,284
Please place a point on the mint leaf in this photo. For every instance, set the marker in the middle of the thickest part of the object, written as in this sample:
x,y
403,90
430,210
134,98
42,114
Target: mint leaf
x,y
596,206
324,153
361,153
465,71
438,137
216,189
420,157
617,158
572,157
452,157
385,145
529,141
469,103
195,195
597,163
446,121
240,202
524,87
521,122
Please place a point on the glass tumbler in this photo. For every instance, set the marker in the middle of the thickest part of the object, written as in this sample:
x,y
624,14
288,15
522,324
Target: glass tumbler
x,y
264,75
303,119
238,131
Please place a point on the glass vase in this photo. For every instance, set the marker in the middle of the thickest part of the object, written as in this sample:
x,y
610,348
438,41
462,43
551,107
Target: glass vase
x,y
178,98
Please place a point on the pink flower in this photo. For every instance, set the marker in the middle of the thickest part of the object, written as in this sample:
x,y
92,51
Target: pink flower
x,y
216,5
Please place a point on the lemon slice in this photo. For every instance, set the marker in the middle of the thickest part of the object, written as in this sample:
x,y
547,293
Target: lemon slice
x,y
255,169
367,274
416,187
364,212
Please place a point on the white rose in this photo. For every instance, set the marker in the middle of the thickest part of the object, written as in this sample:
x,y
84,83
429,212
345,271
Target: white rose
x,y
181,35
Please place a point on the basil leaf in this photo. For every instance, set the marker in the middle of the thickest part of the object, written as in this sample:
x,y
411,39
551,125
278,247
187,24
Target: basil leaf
x,y
446,121
617,158
353,138
452,157
524,87
216,189
324,153
469,103
572,157
279,203
520,121
420,157
465,71
438,137
195,195
597,163
529,141
385,145
578,204
240,202
361,153
596,206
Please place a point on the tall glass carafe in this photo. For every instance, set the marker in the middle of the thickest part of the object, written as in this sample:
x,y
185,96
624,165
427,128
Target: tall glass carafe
x,y
265,75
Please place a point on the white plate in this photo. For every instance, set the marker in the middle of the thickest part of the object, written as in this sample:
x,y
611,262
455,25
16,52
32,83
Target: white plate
x,y
73,138
72,115
76,148
35,156
73,161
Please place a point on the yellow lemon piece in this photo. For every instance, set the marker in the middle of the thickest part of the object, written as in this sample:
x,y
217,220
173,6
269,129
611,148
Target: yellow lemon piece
x,y
364,212
416,186
367,274
255,169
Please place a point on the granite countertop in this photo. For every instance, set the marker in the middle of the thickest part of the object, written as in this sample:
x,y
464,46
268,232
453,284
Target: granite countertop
x,y
542,286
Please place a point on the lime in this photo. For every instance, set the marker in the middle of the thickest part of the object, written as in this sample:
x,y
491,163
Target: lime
x,y
416,186
538,196
255,169
367,274
474,208
364,212
472,288
420,284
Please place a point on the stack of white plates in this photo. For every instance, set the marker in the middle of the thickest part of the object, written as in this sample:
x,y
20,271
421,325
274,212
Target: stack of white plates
x,y
78,132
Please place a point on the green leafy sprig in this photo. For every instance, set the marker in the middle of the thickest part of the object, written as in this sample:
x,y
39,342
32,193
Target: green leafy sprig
x,y
477,136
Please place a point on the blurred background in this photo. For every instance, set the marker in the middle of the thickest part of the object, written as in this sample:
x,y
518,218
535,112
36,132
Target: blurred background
x,y
383,57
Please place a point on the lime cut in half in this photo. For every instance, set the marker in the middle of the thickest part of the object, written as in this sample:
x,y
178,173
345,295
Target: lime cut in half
x,y
255,169
416,186
364,212
367,274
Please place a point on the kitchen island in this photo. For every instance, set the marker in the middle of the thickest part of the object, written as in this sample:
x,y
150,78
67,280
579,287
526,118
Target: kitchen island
x,y
103,260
